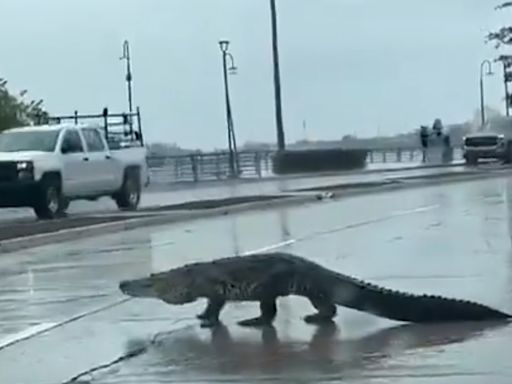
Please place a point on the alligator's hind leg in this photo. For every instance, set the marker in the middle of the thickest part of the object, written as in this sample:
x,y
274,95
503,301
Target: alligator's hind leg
x,y
268,310
210,316
326,311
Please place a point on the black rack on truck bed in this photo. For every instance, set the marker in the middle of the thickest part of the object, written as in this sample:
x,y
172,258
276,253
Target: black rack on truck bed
x,y
119,128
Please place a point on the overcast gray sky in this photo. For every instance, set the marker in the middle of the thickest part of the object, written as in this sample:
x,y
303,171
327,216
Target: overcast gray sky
x,y
348,66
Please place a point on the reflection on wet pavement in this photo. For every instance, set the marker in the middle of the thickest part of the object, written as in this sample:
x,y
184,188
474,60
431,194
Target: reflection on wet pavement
x,y
453,240
325,355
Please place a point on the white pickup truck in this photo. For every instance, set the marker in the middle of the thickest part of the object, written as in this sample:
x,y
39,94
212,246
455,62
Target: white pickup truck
x,y
45,167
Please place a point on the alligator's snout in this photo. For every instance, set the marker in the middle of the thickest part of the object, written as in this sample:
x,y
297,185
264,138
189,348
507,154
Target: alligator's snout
x,y
137,288
123,285
126,287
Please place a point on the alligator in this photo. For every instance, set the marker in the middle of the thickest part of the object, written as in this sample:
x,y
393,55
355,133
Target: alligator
x,y
264,277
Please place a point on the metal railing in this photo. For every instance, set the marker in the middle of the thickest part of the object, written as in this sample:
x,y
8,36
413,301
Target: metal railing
x,y
209,166
253,164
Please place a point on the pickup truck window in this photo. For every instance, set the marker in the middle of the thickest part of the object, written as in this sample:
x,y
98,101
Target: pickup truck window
x,y
71,143
30,140
93,139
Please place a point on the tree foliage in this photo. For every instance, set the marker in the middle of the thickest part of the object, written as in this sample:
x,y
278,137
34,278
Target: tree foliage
x,y
503,36
16,111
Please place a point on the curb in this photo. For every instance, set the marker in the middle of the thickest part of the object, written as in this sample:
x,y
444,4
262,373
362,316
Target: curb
x,y
174,216
409,184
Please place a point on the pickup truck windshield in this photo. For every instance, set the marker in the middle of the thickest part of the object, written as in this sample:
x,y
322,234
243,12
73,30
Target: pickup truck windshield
x,y
28,141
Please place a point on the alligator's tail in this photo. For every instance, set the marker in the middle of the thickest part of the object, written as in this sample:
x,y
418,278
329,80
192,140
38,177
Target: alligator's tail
x,y
401,306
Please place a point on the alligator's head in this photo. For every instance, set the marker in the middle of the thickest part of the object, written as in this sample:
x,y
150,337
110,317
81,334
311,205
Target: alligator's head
x,y
174,287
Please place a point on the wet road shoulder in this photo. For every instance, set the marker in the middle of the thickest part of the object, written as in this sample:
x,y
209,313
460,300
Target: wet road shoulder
x,y
20,234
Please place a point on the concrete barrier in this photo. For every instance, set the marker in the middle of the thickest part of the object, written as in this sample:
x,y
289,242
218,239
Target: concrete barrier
x,y
318,160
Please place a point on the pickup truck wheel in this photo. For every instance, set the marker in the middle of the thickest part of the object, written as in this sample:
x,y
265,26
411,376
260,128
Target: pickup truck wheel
x,y
128,197
50,204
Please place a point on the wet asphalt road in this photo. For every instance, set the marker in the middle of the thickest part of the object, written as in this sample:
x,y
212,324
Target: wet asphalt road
x,y
160,194
453,240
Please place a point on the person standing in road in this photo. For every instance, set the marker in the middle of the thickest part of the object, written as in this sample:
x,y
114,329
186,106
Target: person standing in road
x,y
437,127
424,141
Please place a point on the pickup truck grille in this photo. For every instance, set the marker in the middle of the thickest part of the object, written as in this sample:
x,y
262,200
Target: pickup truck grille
x,y
484,141
8,171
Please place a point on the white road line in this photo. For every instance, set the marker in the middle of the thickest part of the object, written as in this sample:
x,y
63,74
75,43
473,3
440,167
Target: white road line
x,y
31,332
44,327
270,247
25,334
417,210
309,236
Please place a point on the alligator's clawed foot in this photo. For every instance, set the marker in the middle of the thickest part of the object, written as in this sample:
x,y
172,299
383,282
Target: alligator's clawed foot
x,y
318,319
256,322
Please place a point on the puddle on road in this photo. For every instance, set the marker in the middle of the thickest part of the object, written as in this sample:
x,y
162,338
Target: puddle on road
x,y
317,354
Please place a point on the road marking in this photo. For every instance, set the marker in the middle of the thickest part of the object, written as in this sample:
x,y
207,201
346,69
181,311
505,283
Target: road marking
x,y
417,210
36,330
270,247
311,235
25,334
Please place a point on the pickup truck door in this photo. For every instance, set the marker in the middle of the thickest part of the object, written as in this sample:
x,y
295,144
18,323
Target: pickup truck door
x,y
101,161
76,170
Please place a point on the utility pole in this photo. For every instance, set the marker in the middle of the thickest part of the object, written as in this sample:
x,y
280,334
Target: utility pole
x,y
129,78
277,79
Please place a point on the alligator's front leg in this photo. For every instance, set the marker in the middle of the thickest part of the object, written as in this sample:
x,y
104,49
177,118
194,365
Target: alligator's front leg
x,y
210,316
267,291
326,311
268,310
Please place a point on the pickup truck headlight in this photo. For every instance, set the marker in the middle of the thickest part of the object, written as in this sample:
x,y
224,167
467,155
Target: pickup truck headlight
x,y
24,165
25,170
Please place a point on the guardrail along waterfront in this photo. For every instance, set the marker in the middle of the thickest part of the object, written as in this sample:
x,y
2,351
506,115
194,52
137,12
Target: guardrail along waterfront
x,y
258,164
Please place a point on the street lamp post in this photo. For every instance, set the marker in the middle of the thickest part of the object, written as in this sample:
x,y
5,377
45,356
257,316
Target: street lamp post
x,y
482,101
129,78
233,153
277,79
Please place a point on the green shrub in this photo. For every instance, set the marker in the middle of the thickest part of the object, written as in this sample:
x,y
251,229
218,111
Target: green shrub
x,y
16,111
